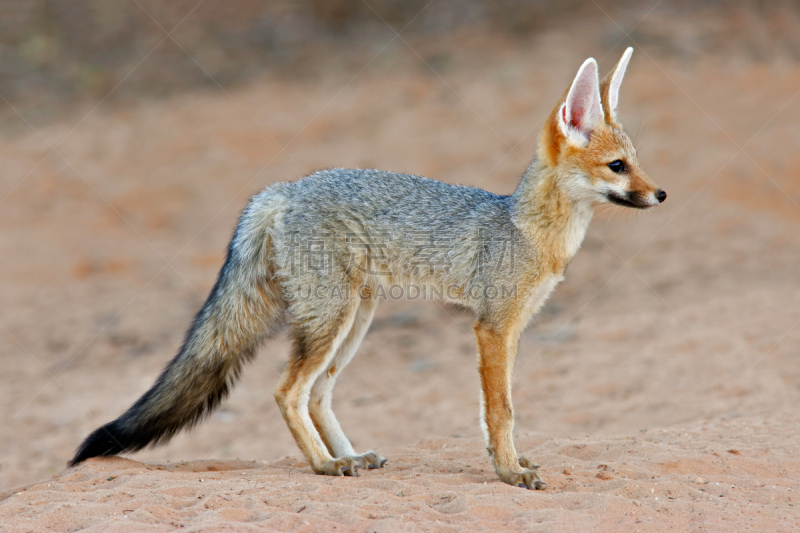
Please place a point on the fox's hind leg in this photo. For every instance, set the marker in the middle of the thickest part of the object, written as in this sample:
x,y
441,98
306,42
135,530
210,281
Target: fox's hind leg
x,y
322,391
317,340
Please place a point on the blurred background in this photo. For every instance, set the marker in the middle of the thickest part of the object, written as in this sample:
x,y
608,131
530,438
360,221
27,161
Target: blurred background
x,y
133,132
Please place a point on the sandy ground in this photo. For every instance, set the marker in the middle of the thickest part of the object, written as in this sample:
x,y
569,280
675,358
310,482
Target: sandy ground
x,y
658,389
643,482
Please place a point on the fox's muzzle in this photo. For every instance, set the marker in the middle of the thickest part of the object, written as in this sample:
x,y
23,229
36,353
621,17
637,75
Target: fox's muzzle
x,y
636,200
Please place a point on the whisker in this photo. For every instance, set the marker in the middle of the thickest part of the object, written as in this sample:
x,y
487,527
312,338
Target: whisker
x,y
638,137
638,130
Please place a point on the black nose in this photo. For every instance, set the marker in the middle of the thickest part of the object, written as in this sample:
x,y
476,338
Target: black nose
x,y
661,195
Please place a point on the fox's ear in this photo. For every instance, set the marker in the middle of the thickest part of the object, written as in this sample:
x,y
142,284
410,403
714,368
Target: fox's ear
x,y
582,111
609,88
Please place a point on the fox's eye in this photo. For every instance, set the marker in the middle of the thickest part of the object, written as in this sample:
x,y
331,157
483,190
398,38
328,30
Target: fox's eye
x,y
616,166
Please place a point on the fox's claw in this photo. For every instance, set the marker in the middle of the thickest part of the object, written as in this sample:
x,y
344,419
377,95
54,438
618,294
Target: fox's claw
x,y
524,462
344,466
371,460
527,479
351,470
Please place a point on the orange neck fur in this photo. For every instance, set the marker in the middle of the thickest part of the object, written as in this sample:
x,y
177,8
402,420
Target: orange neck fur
x,y
553,223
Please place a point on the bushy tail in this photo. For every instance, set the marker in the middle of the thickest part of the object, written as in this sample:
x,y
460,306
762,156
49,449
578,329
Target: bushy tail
x,y
244,307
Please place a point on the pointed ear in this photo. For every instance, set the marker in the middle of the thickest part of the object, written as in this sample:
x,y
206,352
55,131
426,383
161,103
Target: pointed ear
x,y
582,111
609,88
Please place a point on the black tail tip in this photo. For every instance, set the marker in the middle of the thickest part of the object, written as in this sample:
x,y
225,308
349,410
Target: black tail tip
x,y
106,440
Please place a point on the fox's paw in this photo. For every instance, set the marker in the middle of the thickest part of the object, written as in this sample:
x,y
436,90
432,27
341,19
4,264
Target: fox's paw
x,y
343,466
370,460
348,466
529,477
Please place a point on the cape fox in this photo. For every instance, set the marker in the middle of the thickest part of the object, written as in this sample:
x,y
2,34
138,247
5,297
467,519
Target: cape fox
x,y
315,254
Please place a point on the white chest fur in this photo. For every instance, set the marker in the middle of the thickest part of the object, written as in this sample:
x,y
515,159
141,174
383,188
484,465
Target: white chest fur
x,y
576,229
538,296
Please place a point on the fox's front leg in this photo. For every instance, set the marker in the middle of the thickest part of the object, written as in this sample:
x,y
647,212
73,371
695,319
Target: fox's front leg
x,y
496,352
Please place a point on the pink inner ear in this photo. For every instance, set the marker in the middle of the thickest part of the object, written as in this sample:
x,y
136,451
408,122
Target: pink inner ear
x,y
575,119
577,115
583,109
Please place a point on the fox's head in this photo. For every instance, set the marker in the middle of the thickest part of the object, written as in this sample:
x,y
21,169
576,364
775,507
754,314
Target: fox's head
x,y
583,140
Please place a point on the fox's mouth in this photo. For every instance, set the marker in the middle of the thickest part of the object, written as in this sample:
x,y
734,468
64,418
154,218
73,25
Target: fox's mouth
x,y
629,200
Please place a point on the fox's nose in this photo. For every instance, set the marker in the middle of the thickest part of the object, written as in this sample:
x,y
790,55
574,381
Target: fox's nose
x,y
661,195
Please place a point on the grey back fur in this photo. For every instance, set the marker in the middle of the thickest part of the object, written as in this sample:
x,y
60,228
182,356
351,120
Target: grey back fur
x,y
397,234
